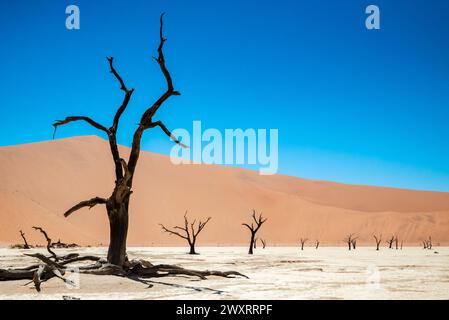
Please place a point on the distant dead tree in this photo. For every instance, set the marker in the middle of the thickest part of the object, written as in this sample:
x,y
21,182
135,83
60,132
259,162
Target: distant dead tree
x,y
317,244
396,241
253,228
303,242
402,242
429,243
378,240
264,243
354,243
25,246
390,242
191,231
424,242
350,240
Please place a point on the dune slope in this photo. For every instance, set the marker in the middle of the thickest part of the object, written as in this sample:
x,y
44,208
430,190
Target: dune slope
x,y
40,181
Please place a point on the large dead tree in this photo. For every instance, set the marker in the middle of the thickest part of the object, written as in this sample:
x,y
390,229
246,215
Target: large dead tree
x,y
189,231
350,241
303,242
117,204
253,228
378,241
26,245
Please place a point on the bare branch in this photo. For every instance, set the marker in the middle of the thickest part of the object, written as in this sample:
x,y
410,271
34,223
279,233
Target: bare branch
x,y
126,99
173,232
87,203
69,119
146,120
47,238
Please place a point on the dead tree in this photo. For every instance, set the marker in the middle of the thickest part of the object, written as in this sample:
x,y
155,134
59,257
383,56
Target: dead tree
x,y
390,242
253,228
402,242
317,244
378,240
190,231
25,246
255,243
354,243
264,243
303,242
117,204
429,243
396,242
424,244
350,241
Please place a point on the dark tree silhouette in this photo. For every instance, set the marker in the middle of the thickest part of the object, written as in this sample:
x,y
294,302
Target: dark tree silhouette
x,y
354,243
317,244
396,242
253,228
378,241
264,243
255,243
190,231
424,244
429,243
402,242
117,204
26,245
390,242
350,241
303,242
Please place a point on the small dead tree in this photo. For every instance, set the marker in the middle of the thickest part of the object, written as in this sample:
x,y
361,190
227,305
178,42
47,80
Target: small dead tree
x,y
390,242
402,242
253,228
378,240
354,243
317,244
264,243
25,246
191,231
429,243
303,242
350,241
396,242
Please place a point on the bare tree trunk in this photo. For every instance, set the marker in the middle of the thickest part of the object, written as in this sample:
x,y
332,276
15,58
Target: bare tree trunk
x,y
192,248
317,244
251,243
118,224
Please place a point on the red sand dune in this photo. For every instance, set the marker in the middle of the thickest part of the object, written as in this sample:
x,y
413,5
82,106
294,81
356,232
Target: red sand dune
x,y
40,181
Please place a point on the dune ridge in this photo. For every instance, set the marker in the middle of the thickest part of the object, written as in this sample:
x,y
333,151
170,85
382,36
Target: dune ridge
x,y
39,181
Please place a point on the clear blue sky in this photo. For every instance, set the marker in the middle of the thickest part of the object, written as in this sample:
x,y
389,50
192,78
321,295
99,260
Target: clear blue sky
x,y
351,105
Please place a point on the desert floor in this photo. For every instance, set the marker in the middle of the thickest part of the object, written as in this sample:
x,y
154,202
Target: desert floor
x,y
275,273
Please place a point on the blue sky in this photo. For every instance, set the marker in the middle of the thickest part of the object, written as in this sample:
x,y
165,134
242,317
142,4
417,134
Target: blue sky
x,y
351,105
